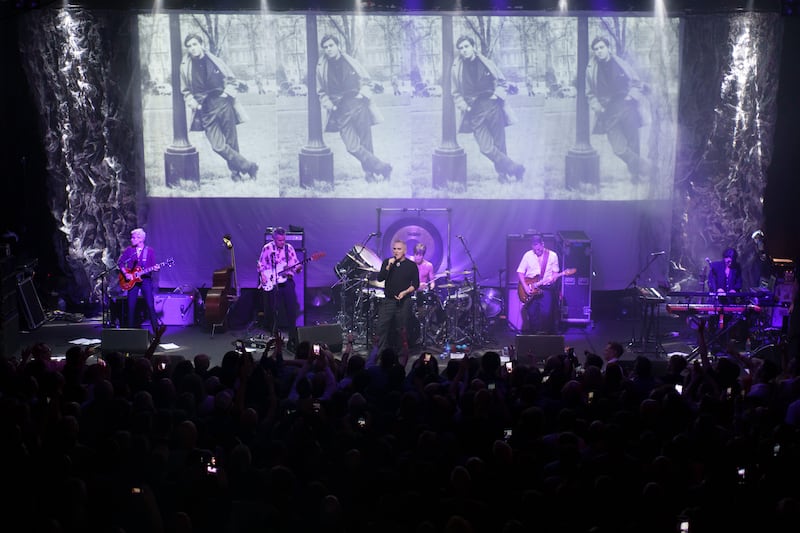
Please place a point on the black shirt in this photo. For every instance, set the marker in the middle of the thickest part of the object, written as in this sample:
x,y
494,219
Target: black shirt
x,y
399,277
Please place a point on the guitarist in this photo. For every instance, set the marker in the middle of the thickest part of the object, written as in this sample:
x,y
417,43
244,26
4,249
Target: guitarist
x,y
137,257
276,278
540,265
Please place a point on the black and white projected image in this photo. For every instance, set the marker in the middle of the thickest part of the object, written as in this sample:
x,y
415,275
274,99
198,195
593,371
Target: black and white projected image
x,y
384,102
227,89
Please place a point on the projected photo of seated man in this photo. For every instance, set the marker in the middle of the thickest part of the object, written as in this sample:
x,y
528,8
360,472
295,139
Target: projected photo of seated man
x,y
479,93
209,90
615,94
344,93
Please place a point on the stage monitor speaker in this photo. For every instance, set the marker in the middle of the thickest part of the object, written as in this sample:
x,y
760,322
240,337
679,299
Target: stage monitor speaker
x,y
128,341
30,304
534,350
175,309
330,334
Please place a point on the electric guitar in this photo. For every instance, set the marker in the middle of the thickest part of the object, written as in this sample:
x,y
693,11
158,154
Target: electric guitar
x,y
138,272
267,278
535,285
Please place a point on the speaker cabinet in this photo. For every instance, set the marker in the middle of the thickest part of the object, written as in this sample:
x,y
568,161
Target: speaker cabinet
x,y
175,309
576,290
29,304
129,341
534,350
330,334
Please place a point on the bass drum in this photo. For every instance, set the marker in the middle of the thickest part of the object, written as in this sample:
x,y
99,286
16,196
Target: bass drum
x,y
771,353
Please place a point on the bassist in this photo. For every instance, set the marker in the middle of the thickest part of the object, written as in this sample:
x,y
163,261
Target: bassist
x,y
276,278
537,271
138,257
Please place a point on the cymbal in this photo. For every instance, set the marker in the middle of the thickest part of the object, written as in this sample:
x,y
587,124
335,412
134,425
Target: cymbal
x,y
446,285
374,283
369,268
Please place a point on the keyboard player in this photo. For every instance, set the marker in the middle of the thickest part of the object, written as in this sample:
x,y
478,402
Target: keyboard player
x,y
725,277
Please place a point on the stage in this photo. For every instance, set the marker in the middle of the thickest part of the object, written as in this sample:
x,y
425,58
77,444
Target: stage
x,y
640,335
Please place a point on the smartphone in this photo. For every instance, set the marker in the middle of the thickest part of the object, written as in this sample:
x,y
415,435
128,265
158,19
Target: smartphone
x,y
776,450
316,406
729,392
679,388
136,490
491,386
507,433
741,474
683,526
162,365
211,465
426,357
316,349
509,366
362,422
591,396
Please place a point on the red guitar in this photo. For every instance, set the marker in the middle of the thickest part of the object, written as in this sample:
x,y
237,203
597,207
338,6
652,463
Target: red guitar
x,y
268,278
535,285
137,273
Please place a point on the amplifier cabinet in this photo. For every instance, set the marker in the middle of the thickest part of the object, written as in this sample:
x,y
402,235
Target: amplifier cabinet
x,y
175,309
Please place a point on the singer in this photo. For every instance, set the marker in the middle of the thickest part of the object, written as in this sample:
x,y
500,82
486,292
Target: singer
x,y
402,279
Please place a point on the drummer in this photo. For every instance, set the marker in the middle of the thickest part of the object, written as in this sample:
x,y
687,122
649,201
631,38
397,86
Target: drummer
x,y
426,278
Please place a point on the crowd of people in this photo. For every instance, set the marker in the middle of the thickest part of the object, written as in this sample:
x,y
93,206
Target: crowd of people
x,y
373,441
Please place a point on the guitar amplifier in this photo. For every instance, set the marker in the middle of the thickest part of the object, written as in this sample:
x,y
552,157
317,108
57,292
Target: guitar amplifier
x,y
575,248
175,309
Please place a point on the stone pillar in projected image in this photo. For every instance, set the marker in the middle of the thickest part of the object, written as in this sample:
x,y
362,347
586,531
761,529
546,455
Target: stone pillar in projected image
x,y
582,164
181,160
449,159
316,159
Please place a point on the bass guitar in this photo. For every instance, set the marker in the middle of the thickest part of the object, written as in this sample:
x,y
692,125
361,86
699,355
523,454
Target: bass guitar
x,y
535,285
137,273
267,278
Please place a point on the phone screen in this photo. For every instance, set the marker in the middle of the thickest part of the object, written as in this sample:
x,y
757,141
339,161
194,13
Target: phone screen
x,y
510,366
316,349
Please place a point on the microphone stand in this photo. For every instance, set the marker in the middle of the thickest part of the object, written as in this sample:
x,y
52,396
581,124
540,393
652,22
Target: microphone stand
x,y
643,311
476,301
104,309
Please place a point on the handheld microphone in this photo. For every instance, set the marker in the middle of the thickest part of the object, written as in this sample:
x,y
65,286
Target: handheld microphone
x,y
653,254
375,234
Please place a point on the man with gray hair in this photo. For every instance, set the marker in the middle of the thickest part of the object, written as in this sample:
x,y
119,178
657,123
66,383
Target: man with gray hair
x,y
136,265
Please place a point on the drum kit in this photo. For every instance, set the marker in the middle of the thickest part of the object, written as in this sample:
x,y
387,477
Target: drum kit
x,y
456,310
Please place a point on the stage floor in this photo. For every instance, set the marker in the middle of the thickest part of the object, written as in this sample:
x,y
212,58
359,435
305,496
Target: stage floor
x,y
674,335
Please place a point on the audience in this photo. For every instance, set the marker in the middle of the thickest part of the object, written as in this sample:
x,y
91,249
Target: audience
x,y
356,443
